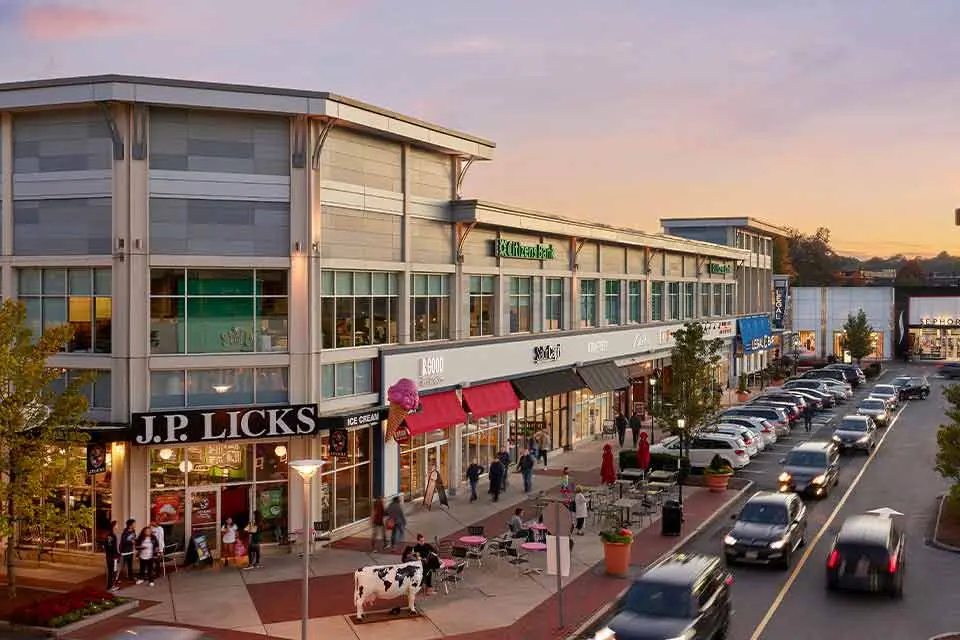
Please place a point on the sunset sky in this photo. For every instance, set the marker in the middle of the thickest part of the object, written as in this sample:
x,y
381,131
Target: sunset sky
x,y
843,114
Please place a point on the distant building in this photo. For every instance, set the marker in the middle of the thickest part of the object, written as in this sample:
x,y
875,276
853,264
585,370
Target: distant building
x,y
819,314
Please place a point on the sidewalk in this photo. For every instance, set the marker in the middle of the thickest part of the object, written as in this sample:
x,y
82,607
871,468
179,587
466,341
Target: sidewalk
x,y
494,598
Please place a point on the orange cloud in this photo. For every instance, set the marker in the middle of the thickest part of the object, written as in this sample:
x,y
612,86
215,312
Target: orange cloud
x,y
62,22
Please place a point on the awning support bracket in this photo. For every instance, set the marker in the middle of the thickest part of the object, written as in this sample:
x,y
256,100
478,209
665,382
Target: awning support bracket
x,y
321,139
115,135
463,231
461,174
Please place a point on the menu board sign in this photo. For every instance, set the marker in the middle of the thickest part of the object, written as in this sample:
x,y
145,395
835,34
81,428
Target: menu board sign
x,y
203,508
166,508
338,443
202,549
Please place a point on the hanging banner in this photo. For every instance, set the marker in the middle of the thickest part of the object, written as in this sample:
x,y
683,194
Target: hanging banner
x,y
338,443
779,305
96,458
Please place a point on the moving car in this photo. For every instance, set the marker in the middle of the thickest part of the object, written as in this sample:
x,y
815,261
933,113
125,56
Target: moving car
x,y
886,391
867,555
706,445
159,633
856,433
876,408
769,529
950,370
682,596
913,388
811,468
854,373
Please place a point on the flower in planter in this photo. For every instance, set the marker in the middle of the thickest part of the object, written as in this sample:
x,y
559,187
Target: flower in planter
x,y
617,536
719,466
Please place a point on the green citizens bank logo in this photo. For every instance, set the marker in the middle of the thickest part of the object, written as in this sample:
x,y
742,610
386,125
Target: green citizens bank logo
x,y
514,249
719,269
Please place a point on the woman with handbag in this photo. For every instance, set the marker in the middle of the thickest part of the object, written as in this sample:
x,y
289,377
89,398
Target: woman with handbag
x,y
396,521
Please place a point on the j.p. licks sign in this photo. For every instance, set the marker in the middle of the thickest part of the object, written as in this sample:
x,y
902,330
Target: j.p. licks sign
x,y
174,427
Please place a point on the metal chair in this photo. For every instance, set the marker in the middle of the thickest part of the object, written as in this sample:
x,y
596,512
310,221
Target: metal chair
x,y
452,575
168,558
475,530
476,553
321,531
498,548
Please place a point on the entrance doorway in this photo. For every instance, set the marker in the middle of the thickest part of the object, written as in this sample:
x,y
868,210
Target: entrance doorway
x,y
416,463
211,506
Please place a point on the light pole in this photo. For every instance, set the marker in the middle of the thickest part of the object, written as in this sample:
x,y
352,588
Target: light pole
x,y
681,425
306,469
653,405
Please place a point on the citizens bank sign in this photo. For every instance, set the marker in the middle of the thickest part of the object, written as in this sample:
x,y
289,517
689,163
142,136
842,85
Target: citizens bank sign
x,y
215,425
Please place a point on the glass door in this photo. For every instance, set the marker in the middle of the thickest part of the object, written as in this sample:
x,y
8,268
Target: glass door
x,y
437,459
204,516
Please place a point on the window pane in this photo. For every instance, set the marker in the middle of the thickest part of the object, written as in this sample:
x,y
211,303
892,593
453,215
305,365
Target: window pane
x,y
361,283
168,325
475,287
328,322
219,387
363,319
344,284
80,317
34,315
220,282
78,282
419,285
54,281
327,381
381,317
272,314
102,390
344,379
418,319
167,282
29,282
271,464
344,322
394,327
220,325
326,283
54,312
381,284
103,325
272,282
166,389
394,285
363,378
435,285
362,486
272,385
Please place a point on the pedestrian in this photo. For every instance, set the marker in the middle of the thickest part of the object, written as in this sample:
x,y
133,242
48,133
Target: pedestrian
x,y
526,465
377,524
398,519
504,457
565,482
807,418
580,510
147,546
497,471
253,529
621,424
473,477
160,534
229,537
427,554
128,544
543,443
111,549
636,423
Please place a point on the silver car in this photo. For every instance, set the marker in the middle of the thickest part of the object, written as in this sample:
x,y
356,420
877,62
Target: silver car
x,y
160,633
856,433
888,392
876,408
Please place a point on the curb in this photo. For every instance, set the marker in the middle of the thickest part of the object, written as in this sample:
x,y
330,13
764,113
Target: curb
x,y
936,544
604,610
945,636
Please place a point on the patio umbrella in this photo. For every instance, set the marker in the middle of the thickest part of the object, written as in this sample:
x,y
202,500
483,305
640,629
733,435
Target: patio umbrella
x,y
608,473
643,452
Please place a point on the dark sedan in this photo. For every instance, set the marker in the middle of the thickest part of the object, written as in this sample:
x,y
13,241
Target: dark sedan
x,y
769,529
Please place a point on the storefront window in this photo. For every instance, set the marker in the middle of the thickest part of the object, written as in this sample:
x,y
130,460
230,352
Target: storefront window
x,y
345,484
588,303
482,299
346,378
98,393
808,342
429,307
656,301
728,304
635,301
418,457
218,310
359,308
718,299
705,300
611,301
876,340
548,413
480,442
218,387
78,297
689,299
589,413
673,300
521,304
553,304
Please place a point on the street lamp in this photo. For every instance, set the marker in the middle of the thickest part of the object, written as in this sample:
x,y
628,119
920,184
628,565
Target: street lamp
x,y
306,469
653,405
681,425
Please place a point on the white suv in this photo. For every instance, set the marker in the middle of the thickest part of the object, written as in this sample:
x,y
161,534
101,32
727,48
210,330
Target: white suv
x,y
706,445
750,436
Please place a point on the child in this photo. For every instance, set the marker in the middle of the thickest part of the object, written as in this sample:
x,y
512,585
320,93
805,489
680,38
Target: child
x,y
147,546
565,488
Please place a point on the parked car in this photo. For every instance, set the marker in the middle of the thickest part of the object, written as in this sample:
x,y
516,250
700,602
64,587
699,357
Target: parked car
x,y
868,554
912,388
751,438
769,529
823,397
856,433
949,370
703,447
795,400
888,392
811,468
777,416
767,429
876,408
789,407
834,374
854,374
841,390
682,596
821,385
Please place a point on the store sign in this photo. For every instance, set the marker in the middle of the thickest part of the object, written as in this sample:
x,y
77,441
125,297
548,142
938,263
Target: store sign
x,y
598,346
762,343
338,443
353,419
779,305
940,322
236,339
514,249
718,269
546,353
431,371
173,427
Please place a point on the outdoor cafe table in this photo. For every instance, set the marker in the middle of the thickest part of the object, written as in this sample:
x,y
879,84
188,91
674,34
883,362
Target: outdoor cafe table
x,y
635,474
624,483
533,546
626,505
662,476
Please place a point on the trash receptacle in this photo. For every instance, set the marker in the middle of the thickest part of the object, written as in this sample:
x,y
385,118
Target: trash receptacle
x,y
671,519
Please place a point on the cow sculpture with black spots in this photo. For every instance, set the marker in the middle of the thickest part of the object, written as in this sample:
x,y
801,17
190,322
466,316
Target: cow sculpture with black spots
x,y
387,581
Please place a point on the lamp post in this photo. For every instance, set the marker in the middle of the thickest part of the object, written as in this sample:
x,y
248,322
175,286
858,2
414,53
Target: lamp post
x,y
306,469
681,425
653,405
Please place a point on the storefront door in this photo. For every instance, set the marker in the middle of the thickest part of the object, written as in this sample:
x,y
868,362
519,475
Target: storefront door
x,y
203,518
437,459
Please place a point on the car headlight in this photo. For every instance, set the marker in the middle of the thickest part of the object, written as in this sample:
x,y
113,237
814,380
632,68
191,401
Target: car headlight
x,y
689,634
820,479
778,544
784,477
836,438
729,540
605,634
864,439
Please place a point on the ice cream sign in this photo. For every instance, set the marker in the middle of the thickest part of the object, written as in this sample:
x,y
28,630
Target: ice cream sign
x,y
430,371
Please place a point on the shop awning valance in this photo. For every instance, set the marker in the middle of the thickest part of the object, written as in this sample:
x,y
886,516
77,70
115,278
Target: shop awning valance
x,y
437,411
755,333
604,377
490,399
548,384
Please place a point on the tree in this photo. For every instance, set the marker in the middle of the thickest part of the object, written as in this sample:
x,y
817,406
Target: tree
x,y
693,396
858,336
782,265
813,260
948,442
41,418
911,274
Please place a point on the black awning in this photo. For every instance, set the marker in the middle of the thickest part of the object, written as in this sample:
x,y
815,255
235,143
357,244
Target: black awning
x,y
601,378
547,384
107,432
354,418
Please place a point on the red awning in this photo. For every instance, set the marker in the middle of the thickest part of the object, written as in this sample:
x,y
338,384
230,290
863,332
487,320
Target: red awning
x,y
437,411
490,399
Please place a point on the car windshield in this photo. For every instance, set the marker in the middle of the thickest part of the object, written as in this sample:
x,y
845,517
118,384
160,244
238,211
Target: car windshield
x,y
853,425
872,405
659,600
805,459
901,382
883,391
763,513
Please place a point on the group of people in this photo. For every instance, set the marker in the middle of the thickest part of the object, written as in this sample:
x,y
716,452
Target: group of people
x,y
635,423
237,544
147,545
387,519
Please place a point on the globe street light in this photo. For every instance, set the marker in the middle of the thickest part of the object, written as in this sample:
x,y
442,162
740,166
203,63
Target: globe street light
x,y
306,469
681,425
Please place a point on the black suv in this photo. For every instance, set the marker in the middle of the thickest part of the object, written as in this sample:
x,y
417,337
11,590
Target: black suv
x,y
868,555
769,529
854,374
682,596
909,388
950,370
811,468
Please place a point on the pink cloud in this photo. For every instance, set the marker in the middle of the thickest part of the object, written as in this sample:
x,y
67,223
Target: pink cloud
x,y
62,22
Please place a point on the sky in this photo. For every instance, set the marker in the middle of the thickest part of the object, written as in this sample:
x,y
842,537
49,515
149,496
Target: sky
x,y
839,114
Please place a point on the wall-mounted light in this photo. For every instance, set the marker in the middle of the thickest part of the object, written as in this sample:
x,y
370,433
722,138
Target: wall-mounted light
x,y
296,247
316,246
222,388
166,454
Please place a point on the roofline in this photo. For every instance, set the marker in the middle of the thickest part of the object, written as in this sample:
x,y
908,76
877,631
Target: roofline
x,y
501,215
728,221
32,98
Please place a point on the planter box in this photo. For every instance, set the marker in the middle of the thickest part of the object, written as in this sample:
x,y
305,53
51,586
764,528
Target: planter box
x,y
126,607
717,482
616,558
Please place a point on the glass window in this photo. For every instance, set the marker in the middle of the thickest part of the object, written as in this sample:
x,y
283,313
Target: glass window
x,y
78,297
218,387
673,296
728,305
359,308
521,305
705,299
482,296
270,461
346,379
689,299
98,392
656,301
553,304
718,299
480,442
588,303
429,307
635,301
218,310
611,301
346,486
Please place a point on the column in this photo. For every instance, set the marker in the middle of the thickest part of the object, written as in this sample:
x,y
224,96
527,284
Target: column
x,y
568,440
304,273
6,191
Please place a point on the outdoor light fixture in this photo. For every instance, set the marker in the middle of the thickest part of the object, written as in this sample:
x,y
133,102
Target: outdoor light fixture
x,y
280,450
165,454
681,423
306,470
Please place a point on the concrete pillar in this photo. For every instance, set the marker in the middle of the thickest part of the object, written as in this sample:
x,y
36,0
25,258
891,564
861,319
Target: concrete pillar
x,y
304,280
6,189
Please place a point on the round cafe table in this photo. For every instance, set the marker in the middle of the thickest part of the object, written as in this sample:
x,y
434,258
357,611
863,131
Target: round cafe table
x,y
473,541
538,526
533,546
447,563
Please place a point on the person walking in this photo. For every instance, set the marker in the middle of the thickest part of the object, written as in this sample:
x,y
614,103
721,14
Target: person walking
x,y
111,549
147,545
399,520
377,520
807,418
128,544
526,465
621,424
636,423
497,471
580,510
608,473
542,441
473,477
504,457
253,529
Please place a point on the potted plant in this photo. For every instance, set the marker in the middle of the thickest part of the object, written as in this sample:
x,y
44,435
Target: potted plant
x,y
616,550
742,392
717,475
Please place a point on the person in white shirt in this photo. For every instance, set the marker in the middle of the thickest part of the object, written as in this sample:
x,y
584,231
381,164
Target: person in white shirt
x,y
159,534
580,510
147,549
229,532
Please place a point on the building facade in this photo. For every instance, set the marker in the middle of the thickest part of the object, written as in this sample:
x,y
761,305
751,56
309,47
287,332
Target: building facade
x,y
819,314
248,270
927,322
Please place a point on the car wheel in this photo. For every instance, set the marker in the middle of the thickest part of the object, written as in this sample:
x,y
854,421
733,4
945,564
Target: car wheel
x,y
787,560
831,585
897,590
923,395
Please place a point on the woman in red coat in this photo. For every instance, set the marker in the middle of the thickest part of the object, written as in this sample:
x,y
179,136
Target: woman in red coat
x,y
608,473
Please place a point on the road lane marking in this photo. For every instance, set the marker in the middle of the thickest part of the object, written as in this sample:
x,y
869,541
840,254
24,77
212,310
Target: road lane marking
x,y
812,544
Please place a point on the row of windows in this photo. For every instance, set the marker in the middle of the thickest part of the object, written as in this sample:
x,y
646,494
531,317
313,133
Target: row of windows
x,y
756,244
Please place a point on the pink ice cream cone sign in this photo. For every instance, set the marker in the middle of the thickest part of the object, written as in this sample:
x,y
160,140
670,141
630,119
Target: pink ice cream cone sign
x,y
403,398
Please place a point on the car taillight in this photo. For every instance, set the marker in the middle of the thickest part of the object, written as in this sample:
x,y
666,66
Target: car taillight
x,y
765,430
892,564
833,560
740,452
729,580
747,441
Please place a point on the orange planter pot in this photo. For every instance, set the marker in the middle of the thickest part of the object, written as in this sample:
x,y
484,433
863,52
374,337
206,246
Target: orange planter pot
x,y
616,557
717,482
